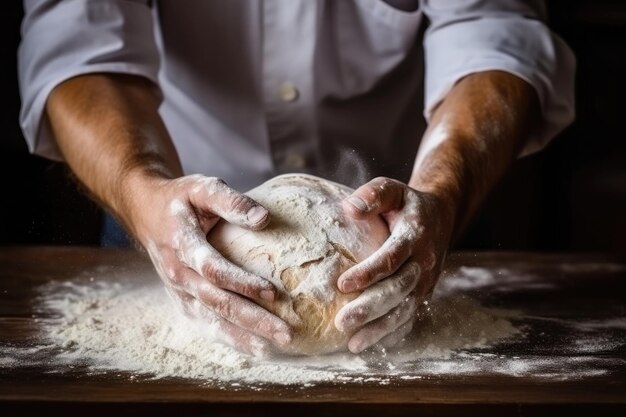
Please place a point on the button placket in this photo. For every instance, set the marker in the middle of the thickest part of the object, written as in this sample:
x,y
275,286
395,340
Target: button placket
x,y
288,48
288,92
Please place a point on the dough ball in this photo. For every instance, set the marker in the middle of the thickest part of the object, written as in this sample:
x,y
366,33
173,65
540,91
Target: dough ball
x,y
307,245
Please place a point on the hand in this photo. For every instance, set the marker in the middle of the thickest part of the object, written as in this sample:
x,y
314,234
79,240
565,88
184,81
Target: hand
x,y
401,275
171,219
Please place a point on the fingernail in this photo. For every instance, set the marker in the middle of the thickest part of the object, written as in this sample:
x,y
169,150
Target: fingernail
x,y
282,338
267,295
348,285
358,203
256,214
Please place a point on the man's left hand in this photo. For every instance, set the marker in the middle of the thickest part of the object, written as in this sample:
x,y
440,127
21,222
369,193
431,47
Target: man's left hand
x,y
401,275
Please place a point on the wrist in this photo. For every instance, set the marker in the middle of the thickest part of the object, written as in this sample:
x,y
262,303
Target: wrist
x,y
444,184
136,197
446,202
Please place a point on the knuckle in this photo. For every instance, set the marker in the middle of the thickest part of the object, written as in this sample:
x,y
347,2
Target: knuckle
x,y
193,178
263,327
407,280
384,184
224,308
182,182
239,203
360,314
353,317
390,260
215,181
220,186
257,327
177,279
363,276
213,184
413,271
213,273
190,183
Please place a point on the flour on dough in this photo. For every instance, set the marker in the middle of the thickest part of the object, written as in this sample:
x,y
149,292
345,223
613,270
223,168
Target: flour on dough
x,y
307,245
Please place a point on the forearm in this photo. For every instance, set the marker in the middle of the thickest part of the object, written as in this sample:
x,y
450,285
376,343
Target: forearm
x,y
110,133
473,137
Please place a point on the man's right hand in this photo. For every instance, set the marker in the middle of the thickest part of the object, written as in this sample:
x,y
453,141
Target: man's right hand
x,y
109,131
172,218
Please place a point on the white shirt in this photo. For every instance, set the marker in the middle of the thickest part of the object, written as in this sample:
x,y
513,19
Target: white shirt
x,y
254,88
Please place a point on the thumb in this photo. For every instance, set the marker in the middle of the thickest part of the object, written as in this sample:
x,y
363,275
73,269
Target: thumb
x,y
378,196
214,196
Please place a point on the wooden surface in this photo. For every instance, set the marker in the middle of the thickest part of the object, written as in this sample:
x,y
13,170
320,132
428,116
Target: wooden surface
x,y
588,287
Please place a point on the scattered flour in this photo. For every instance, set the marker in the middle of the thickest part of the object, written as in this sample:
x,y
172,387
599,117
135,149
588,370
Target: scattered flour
x,y
116,326
121,320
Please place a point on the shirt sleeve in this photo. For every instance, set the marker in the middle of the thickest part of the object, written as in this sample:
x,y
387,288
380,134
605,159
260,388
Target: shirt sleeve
x,y
65,38
469,36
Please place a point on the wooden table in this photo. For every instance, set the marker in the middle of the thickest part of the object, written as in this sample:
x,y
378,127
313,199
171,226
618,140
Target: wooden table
x,y
588,287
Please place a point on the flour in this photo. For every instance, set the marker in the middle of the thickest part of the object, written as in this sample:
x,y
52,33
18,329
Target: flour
x,y
114,326
119,320
308,243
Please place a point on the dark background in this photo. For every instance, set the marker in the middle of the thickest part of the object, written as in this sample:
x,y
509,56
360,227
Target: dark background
x,y
570,197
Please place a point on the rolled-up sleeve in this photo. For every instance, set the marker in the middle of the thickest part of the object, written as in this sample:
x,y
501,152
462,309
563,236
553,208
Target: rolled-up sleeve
x,y
469,36
65,38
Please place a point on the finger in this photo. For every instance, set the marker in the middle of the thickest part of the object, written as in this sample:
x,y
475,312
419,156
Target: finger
x,y
245,341
398,336
238,310
375,331
380,195
199,255
164,261
429,264
378,299
213,195
425,287
385,261
235,336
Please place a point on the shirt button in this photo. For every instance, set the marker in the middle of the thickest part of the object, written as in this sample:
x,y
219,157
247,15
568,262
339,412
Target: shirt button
x,y
288,92
295,161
